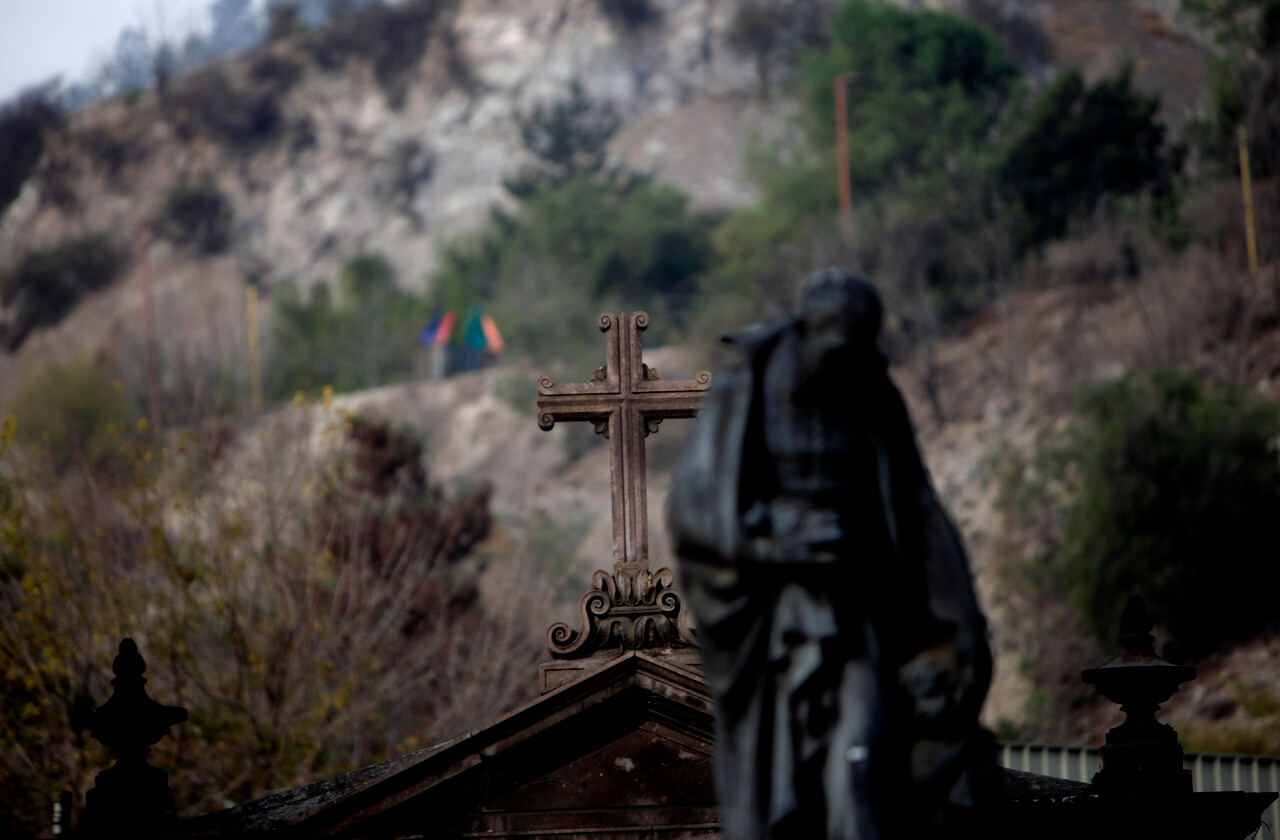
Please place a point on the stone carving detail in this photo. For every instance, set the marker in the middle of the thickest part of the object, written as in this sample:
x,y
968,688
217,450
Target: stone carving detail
x,y
632,609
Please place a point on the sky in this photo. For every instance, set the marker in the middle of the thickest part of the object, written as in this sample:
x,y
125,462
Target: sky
x,y
42,38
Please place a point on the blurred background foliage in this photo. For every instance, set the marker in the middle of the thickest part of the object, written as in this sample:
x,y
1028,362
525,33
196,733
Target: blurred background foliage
x,y
1162,484
970,179
76,412
952,159
361,337
307,632
46,283
961,172
584,237
1244,82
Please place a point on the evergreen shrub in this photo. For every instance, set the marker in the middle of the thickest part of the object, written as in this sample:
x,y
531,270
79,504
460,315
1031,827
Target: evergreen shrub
x,y
74,410
46,283
1175,491
198,216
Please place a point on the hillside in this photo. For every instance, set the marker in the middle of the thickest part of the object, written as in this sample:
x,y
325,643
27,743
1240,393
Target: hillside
x,y
395,134
366,146
333,579
1006,382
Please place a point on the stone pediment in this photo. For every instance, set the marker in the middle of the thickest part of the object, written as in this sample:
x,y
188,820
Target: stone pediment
x,y
625,751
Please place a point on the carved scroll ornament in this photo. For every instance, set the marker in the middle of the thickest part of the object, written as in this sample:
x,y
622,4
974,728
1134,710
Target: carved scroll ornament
x,y
632,609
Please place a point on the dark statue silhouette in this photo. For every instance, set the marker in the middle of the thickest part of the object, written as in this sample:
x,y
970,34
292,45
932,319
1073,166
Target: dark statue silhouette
x,y
839,629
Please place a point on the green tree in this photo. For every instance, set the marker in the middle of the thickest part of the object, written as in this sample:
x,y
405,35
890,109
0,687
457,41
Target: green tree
x,y
365,338
565,137
573,250
584,238
1177,492
1078,144
926,91
928,94
1244,82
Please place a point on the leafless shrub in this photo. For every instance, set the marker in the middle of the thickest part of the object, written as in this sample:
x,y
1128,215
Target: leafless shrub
x,y
1105,247
1215,215
307,635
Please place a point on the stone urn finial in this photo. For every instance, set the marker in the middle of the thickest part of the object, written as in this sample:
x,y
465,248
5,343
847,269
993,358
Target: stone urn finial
x,y
1142,755
131,797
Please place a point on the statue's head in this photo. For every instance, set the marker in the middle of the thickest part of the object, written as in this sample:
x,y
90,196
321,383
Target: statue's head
x,y
839,319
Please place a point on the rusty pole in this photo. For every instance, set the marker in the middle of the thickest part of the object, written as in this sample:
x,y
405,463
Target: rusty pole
x,y
842,152
1246,188
255,354
148,328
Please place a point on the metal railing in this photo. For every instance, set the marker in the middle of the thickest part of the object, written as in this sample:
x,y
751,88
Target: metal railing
x,y
1209,773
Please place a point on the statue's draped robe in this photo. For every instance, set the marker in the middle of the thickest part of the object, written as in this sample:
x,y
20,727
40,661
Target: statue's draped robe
x,y
847,683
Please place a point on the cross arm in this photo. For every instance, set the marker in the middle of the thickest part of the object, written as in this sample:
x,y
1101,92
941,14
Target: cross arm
x,y
669,404
554,407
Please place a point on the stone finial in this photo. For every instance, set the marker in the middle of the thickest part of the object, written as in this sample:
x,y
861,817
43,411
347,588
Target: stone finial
x,y
131,797
1141,755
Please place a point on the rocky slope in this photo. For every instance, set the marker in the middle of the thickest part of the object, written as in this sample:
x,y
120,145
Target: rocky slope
x,y
1005,381
392,137
358,158
362,153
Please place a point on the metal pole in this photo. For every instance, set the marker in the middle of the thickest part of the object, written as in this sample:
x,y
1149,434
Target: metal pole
x,y
255,358
1246,187
842,152
148,329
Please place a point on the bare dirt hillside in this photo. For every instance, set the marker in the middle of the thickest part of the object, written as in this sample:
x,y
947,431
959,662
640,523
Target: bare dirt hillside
x,y
334,143
1006,380
343,139
365,153
479,430
1006,376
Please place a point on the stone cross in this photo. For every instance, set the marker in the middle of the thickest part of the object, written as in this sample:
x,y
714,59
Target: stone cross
x,y
625,400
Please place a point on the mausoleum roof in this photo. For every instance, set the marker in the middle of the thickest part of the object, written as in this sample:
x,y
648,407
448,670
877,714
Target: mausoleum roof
x,y
635,732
